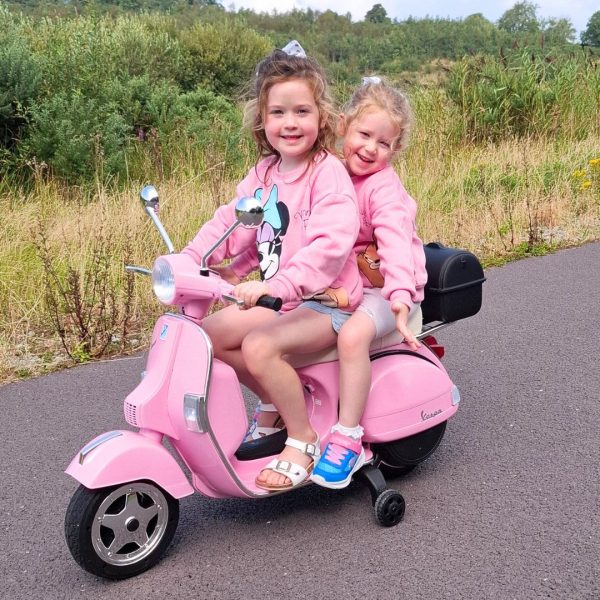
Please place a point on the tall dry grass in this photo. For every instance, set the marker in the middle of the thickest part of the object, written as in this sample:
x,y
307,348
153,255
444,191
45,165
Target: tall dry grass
x,y
28,340
499,200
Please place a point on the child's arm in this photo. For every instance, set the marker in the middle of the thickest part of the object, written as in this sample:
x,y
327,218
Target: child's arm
x,y
243,264
239,267
393,214
210,232
401,311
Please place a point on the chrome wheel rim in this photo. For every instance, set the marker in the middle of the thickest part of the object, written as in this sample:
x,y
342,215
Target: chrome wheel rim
x,y
129,523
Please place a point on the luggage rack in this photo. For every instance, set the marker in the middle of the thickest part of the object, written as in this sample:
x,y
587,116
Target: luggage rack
x,y
432,327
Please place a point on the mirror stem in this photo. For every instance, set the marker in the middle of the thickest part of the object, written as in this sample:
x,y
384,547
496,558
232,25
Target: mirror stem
x,y
208,254
136,269
163,234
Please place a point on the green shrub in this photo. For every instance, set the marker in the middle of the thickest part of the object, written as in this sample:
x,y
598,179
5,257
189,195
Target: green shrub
x,y
77,137
220,57
524,94
202,124
216,128
20,80
175,131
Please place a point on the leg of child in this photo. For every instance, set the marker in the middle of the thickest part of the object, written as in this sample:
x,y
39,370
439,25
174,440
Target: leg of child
x,y
344,453
373,318
301,330
354,341
227,328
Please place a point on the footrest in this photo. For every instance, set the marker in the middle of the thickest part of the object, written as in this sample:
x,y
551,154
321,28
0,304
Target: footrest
x,y
264,446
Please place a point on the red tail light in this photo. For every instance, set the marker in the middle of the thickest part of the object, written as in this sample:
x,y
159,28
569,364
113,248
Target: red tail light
x,y
433,345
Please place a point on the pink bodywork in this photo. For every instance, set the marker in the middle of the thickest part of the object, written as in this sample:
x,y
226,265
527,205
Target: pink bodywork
x,y
130,456
409,394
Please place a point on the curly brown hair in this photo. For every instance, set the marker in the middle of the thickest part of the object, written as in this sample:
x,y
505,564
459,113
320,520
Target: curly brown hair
x,y
277,68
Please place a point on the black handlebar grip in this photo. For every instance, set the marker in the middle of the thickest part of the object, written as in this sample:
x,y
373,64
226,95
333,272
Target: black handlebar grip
x,y
269,302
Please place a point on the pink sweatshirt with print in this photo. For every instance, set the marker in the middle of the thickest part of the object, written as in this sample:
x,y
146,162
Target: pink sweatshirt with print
x,y
389,252
304,247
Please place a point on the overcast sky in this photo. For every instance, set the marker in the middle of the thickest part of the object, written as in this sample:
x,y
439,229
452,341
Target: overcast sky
x,y
578,11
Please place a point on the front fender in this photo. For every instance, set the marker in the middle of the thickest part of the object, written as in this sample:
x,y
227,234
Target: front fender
x,y
121,456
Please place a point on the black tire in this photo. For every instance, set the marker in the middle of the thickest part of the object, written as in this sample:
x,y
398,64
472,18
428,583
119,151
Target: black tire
x,y
390,472
138,518
411,451
389,508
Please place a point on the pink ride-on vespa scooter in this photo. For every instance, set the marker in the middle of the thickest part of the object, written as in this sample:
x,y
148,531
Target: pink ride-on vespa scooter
x,y
125,512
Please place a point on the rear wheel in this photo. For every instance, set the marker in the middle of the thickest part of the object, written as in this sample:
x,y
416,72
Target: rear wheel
x,y
390,472
120,531
405,454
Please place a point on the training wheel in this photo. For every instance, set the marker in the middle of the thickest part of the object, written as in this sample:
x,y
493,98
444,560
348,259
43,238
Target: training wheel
x,y
389,508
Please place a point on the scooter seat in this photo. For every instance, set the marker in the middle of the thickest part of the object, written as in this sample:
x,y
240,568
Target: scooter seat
x,y
415,324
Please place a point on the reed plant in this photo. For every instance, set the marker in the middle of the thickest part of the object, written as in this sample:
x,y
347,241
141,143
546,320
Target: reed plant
x,y
525,94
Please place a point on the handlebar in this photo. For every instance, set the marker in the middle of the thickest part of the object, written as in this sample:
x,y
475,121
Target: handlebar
x,y
270,302
265,301
136,269
177,280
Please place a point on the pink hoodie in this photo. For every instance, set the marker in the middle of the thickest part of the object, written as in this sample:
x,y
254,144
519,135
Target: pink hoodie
x,y
304,246
389,252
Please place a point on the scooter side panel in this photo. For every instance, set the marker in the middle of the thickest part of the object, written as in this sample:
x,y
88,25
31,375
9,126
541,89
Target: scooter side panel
x,y
212,476
225,406
146,406
408,395
321,384
130,456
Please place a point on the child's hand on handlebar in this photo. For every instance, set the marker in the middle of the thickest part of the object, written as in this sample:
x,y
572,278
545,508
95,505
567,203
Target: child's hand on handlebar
x,y
250,291
401,311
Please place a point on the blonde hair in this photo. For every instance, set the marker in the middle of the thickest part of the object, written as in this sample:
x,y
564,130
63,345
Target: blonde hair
x,y
384,97
277,68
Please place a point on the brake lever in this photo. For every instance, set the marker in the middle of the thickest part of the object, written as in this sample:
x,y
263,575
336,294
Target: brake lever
x,y
231,298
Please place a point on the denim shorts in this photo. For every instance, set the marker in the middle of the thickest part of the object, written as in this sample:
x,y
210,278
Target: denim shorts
x,y
338,316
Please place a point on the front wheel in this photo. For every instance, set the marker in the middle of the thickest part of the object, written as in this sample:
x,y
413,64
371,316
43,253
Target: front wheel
x,y
118,532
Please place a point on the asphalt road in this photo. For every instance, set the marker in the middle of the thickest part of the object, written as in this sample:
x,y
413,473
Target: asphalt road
x,y
508,506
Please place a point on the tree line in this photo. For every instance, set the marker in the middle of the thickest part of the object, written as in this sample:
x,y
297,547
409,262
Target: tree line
x,y
98,86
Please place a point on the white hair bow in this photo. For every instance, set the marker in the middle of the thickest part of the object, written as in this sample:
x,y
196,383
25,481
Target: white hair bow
x,y
293,48
374,80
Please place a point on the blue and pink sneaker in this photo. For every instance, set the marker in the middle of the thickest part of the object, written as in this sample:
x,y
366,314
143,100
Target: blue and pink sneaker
x,y
342,457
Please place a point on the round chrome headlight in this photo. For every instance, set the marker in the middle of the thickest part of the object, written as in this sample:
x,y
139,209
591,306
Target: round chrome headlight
x,y
163,281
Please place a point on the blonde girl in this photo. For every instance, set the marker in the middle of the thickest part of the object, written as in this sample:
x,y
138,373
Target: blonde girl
x,y
375,127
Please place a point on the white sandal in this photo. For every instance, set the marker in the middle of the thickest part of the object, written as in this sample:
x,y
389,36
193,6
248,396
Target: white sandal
x,y
256,431
294,472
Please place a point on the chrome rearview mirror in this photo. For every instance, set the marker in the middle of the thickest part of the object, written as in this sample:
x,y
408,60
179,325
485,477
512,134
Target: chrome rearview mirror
x,y
149,198
249,213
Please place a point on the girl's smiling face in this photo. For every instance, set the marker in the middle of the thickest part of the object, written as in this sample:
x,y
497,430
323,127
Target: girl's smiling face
x,y
369,143
291,122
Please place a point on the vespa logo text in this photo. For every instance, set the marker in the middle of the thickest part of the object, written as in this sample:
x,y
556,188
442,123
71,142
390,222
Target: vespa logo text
x,y
425,416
